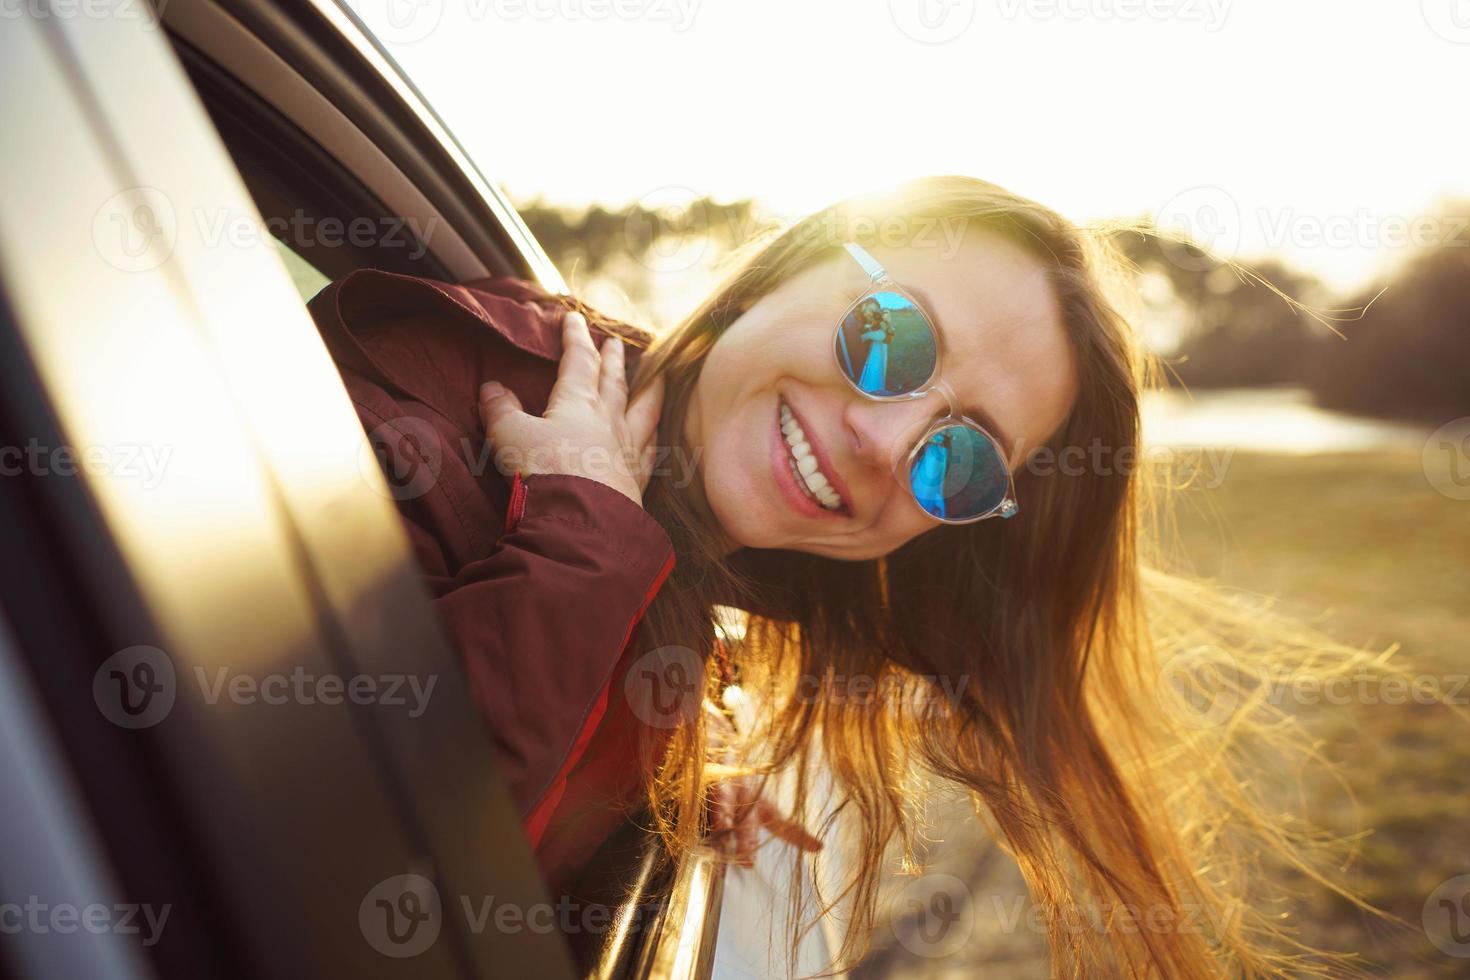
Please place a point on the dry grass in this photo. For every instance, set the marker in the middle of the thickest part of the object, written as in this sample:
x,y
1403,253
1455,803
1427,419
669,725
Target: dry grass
x,y
1363,546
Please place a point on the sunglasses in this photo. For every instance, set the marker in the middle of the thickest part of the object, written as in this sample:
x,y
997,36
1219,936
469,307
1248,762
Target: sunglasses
x,y
888,350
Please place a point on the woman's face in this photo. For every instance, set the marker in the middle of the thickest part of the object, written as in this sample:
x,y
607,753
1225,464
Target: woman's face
x,y
1006,357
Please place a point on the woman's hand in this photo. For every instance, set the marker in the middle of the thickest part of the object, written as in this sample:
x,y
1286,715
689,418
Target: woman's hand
x,y
589,428
738,811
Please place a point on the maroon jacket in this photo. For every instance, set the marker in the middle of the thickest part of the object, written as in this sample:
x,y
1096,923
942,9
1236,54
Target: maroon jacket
x,y
541,581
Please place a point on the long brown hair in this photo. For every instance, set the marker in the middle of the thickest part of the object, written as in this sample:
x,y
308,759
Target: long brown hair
x,y
1026,660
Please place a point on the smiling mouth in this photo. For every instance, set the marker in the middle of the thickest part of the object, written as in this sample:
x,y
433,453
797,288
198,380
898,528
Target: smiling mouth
x,y
805,469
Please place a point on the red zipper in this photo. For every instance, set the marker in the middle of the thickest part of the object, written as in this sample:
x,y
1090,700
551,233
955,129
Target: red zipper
x,y
517,508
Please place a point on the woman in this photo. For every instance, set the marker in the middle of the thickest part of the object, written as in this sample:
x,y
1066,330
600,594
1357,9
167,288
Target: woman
x,y
875,368
747,467
928,477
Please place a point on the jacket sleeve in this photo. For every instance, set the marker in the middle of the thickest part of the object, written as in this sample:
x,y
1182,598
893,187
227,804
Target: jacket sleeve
x,y
540,622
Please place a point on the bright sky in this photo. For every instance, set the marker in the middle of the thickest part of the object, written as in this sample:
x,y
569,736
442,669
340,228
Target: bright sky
x,y
1318,129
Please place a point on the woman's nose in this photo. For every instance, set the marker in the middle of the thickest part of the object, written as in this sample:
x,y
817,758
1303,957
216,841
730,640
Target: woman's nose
x,y
880,434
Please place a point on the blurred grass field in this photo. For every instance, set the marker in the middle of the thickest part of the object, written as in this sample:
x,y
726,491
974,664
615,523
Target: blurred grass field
x,y
1362,546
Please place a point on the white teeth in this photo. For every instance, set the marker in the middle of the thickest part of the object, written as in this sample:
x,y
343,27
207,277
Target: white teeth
x,y
804,463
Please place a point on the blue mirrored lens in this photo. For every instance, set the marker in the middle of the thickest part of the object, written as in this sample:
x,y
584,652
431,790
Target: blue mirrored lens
x,y
886,345
958,473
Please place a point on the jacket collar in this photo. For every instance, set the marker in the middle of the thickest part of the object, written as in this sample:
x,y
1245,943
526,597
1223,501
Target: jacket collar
x,y
526,316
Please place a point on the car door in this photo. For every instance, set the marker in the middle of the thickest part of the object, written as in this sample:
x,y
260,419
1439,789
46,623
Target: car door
x,y
191,516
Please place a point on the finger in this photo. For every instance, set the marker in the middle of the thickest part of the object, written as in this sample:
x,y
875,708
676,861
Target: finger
x,y
641,418
614,381
497,403
500,415
747,839
577,373
785,828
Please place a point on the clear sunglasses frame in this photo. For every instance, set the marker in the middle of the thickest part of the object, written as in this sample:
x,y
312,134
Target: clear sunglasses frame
x,y
879,282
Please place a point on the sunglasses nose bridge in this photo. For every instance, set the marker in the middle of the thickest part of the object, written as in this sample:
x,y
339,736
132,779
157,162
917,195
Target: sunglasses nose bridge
x,y
885,432
951,401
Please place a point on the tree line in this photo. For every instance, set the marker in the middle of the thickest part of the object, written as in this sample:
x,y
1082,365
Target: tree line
x,y
1398,348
